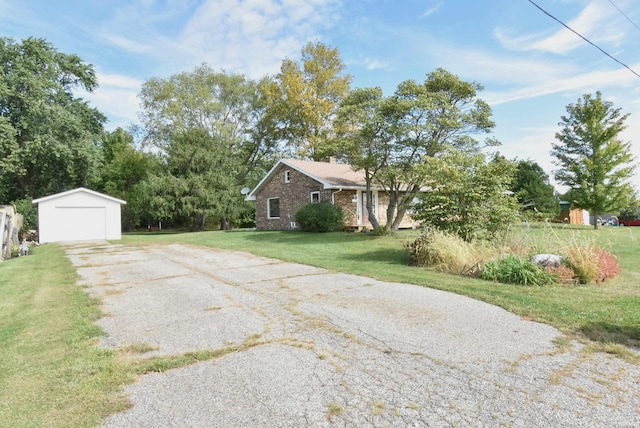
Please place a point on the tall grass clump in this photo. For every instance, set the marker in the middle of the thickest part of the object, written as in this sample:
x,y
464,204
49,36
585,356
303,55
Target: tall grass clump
x,y
591,264
447,252
514,269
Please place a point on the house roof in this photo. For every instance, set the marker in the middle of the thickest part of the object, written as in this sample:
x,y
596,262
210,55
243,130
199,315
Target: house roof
x,y
330,175
78,190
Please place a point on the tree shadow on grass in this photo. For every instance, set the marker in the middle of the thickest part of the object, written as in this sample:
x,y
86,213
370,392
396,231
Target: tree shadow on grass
x,y
392,256
610,333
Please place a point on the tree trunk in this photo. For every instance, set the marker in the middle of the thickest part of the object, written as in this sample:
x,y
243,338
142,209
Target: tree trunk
x,y
596,223
396,222
225,224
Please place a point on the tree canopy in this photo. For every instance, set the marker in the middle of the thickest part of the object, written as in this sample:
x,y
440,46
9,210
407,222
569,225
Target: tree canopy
x,y
48,136
533,190
468,196
179,112
592,161
302,100
391,137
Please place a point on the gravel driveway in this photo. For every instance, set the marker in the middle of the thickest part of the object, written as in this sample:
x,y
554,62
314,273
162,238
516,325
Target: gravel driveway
x,y
318,348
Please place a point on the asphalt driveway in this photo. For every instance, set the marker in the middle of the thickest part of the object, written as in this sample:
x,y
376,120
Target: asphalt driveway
x,y
318,348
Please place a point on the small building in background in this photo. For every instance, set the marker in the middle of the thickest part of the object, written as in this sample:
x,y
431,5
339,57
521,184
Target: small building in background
x,y
573,215
79,215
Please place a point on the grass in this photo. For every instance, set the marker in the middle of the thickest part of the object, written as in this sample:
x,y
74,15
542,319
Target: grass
x,y
53,374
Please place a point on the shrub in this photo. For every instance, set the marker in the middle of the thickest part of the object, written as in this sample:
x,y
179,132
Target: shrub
x,y
380,231
320,217
446,252
513,269
563,273
591,264
29,212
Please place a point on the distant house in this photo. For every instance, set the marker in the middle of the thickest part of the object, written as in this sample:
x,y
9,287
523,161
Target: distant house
x,y
78,215
291,184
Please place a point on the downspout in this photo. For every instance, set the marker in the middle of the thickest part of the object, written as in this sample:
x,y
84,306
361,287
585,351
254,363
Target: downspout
x,y
333,200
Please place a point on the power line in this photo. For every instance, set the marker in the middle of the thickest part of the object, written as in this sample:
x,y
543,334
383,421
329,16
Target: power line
x,y
583,38
623,14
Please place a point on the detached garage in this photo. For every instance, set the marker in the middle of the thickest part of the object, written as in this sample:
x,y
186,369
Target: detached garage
x,y
78,215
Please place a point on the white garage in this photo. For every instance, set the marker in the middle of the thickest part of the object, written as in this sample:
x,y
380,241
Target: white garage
x,y
78,215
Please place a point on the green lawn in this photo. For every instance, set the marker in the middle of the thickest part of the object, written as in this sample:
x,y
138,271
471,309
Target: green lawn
x,y
53,374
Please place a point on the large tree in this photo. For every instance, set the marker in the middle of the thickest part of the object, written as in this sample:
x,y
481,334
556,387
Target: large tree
x,y
593,162
427,119
227,107
48,136
364,134
303,100
124,168
196,181
533,190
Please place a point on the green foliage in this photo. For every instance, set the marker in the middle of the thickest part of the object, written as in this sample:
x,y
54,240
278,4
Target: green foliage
x,y
593,162
48,137
514,269
216,138
364,136
533,191
124,169
446,252
303,99
390,137
468,196
197,181
380,231
29,213
320,217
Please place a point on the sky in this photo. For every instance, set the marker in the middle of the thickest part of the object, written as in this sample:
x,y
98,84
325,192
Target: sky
x,y
531,66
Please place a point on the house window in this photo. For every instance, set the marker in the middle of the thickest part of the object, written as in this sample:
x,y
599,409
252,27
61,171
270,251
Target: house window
x,y
314,197
273,208
287,176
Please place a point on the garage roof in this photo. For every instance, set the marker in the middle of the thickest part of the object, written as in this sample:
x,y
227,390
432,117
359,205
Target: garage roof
x,y
78,190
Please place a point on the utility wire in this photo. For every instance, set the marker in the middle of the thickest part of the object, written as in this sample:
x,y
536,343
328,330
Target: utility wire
x,y
583,38
623,14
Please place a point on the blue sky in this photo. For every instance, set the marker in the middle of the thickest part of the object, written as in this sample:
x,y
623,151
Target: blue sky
x,y
531,66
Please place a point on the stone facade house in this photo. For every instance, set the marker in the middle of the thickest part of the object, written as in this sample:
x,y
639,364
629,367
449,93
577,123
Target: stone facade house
x,y
291,184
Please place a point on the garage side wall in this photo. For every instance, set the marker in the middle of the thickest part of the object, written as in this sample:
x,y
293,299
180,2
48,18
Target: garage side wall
x,y
78,216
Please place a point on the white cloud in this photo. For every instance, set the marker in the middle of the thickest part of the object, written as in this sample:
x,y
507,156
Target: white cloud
x,y
589,82
594,22
117,97
247,36
433,9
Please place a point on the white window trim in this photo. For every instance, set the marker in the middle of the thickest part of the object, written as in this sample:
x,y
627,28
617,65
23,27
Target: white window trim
x,y
269,208
311,196
287,176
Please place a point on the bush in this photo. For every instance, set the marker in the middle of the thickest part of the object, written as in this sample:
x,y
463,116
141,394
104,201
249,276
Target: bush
x,y
591,264
29,212
320,217
446,252
516,270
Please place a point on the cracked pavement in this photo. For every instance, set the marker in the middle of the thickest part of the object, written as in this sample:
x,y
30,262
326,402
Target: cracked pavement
x,y
323,349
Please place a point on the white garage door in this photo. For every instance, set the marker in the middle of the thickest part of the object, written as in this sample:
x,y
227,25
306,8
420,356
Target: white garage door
x,y
81,223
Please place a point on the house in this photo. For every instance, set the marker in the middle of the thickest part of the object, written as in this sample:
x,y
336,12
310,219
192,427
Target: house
x,y
291,184
78,215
